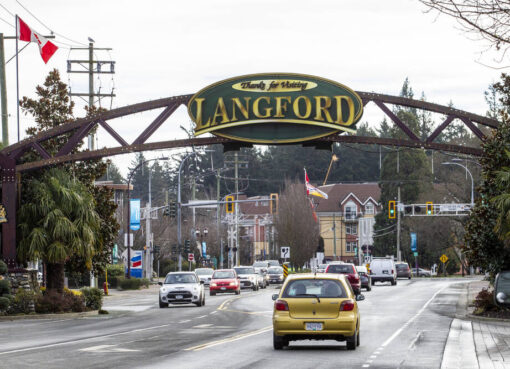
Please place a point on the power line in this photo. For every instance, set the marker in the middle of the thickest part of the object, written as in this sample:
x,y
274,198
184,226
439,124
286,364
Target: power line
x,y
7,10
7,22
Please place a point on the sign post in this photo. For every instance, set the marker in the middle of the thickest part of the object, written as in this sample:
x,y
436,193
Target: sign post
x,y
444,259
191,258
285,252
414,247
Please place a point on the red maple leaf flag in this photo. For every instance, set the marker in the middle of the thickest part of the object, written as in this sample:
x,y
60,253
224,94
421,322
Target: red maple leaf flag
x,y
25,33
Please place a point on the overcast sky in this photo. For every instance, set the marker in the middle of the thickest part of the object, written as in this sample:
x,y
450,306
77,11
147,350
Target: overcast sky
x,y
167,48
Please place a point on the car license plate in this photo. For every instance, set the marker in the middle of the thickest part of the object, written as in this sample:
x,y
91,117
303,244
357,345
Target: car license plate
x,y
385,272
178,297
223,288
313,326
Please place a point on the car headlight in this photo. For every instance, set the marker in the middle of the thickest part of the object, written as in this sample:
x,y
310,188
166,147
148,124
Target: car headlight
x,y
163,289
213,284
281,276
232,283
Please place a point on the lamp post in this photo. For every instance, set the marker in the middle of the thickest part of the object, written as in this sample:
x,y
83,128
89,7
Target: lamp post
x,y
128,241
472,182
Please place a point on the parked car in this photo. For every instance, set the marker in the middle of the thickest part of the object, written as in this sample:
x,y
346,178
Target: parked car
x,y
275,275
272,263
321,268
248,277
316,307
421,272
365,278
261,265
349,270
403,270
205,274
383,270
181,288
224,280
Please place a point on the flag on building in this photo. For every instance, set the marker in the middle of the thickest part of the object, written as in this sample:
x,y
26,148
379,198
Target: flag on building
x,y
312,190
25,33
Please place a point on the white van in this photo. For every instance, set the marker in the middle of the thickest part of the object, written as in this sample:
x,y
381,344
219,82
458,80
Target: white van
x,y
383,270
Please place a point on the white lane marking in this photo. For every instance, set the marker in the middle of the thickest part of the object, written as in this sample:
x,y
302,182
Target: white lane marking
x,y
200,317
230,339
373,356
84,339
202,326
214,312
107,348
395,335
185,321
365,366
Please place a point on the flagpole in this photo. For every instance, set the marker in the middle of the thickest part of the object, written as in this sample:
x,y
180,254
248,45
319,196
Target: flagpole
x,y
17,74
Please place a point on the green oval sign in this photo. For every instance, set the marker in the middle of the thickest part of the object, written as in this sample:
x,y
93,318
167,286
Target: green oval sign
x,y
275,108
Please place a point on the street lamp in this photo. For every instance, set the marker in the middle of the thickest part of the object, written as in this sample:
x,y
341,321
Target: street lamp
x,y
129,212
472,182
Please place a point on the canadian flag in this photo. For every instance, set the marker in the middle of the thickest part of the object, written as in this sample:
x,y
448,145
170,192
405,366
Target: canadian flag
x,y
25,33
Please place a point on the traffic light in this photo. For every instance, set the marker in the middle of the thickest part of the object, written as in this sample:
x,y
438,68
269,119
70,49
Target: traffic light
x,y
172,209
174,249
229,206
187,246
430,208
391,209
273,203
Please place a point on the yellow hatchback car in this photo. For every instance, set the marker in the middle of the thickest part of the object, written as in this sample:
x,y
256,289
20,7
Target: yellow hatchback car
x,y
316,307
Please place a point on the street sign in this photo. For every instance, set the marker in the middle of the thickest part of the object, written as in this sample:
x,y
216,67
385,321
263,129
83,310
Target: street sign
x,y
285,252
443,258
413,241
134,217
191,257
415,253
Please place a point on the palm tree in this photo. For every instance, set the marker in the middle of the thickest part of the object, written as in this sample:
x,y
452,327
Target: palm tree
x,y
502,201
59,221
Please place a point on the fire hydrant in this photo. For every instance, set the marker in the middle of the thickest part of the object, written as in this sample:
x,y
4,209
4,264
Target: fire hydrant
x,y
105,288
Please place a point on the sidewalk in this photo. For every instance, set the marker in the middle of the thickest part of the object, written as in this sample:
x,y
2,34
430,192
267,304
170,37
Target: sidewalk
x,y
476,342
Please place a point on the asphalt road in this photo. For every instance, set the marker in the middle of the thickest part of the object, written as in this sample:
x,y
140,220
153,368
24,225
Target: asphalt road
x,y
403,326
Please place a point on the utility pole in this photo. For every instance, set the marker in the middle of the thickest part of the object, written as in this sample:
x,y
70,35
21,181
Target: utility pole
x,y
398,208
218,214
88,65
334,237
236,170
148,232
3,93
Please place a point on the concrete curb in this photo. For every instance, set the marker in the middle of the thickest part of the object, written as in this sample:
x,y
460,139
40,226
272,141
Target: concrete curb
x,y
49,316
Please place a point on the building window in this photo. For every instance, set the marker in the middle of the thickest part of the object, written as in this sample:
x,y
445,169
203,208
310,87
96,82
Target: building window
x,y
350,210
351,228
351,245
369,208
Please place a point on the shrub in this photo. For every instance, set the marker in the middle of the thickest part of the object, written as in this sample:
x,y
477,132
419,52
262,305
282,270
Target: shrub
x,y
145,282
484,301
5,288
3,267
4,303
115,270
103,312
130,284
21,302
93,297
54,302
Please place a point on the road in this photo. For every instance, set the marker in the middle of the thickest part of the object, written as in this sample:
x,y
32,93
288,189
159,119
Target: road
x,y
402,326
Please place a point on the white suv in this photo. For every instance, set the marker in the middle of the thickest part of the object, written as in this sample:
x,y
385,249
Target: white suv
x,y
383,270
181,288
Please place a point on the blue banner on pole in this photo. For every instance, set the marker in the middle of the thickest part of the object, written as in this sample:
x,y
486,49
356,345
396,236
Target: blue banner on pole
x,y
134,222
204,249
413,242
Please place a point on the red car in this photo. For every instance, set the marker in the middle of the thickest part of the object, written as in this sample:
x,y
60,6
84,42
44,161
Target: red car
x,y
350,271
224,280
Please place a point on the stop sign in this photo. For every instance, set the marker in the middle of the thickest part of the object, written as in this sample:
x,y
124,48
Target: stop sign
x,y
191,257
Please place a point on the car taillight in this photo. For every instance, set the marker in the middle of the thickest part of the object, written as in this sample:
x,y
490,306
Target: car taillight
x,y
281,305
347,305
392,271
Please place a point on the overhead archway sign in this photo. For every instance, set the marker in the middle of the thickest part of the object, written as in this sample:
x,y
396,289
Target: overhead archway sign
x,y
275,108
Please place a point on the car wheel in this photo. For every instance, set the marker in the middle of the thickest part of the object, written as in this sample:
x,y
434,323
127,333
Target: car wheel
x,y
238,292
352,341
211,293
373,282
203,300
357,340
254,288
279,342
162,304
369,288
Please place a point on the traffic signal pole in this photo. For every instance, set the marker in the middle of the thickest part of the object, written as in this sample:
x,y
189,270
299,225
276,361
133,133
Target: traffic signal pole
x,y
398,224
179,207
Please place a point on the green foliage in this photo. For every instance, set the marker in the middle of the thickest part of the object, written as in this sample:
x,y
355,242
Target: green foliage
x,y
22,301
5,288
5,295
103,312
3,267
53,302
93,297
484,302
4,303
115,270
145,282
130,284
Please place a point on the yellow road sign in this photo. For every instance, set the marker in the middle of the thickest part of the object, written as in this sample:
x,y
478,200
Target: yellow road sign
x,y
443,258
285,271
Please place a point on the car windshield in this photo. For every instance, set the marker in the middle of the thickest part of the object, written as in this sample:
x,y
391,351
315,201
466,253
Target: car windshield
x,y
245,270
180,278
204,271
273,263
223,275
275,271
340,268
260,264
323,266
306,288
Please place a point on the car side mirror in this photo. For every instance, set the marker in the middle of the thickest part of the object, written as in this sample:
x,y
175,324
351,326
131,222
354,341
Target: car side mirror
x,y
275,297
360,297
202,282
502,289
160,283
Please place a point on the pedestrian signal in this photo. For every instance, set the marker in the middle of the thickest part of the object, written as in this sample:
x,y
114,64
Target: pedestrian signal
x,y
229,207
391,209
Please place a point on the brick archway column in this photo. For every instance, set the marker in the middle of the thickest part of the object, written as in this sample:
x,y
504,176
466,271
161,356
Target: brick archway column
x,y
9,198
